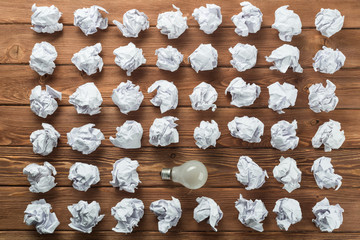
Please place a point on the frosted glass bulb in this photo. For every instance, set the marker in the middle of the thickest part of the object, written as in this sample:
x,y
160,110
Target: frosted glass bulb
x,y
192,174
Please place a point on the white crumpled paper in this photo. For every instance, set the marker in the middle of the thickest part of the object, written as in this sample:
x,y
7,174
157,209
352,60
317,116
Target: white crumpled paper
x,y
163,131
124,175
244,56
287,23
206,134
166,95
39,213
324,174
251,213
41,178
330,135
203,97
209,17
127,213
329,21
133,22
127,96
249,129
248,20
328,60
128,135
42,58
85,216
282,96
89,19
88,59
172,23
44,140
283,135
46,19
86,99
85,139
288,212
288,173
204,58
328,217
250,174
168,213
242,93
83,176
284,57
168,58
42,102
129,58
208,209
323,98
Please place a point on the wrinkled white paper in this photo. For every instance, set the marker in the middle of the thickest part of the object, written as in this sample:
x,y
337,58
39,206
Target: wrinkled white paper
x,y
284,57
39,213
209,17
244,56
204,58
128,135
288,173
41,178
83,176
249,129
287,23
242,93
163,131
129,58
88,59
168,58
330,135
46,19
127,96
42,58
168,213
283,135
250,174
166,95
329,21
87,99
248,20
127,213
44,140
85,216
124,175
328,60
323,98
172,23
203,97
251,213
89,19
85,139
206,134
282,96
288,212
42,102
208,209
328,217
324,174
133,22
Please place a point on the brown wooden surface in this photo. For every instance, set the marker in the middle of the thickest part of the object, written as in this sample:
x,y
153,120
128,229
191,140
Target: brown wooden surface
x,y
17,121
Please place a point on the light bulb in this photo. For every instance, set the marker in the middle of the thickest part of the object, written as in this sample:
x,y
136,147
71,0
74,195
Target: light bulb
x,y
192,174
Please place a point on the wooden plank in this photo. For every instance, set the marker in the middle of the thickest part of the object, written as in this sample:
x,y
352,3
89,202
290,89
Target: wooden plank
x,y
67,78
221,165
15,50
349,8
15,130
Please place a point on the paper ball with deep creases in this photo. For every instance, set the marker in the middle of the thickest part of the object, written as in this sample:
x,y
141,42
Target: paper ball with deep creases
x,y
242,93
287,23
85,216
41,178
288,212
330,135
204,58
127,96
85,139
44,140
90,19
328,217
134,22
244,56
88,59
46,19
163,131
128,135
168,58
42,58
166,95
283,135
172,23
203,97
83,175
168,213
285,57
329,21
323,98
250,174
87,99
248,20
328,60
42,102
128,213
207,208
288,173
206,134
324,174
249,129
124,175
209,17
129,58
282,96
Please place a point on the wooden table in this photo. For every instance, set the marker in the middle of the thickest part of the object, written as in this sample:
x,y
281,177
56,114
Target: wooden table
x,y
17,121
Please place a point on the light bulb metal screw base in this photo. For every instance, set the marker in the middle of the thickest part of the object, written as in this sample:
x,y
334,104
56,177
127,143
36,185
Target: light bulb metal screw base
x,y
166,174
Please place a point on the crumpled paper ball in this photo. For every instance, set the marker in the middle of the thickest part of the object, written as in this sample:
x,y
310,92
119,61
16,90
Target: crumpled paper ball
x,y
42,102
89,19
328,60
42,58
129,58
329,21
206,134
329,135
46,19
283,135
324,174
127,96
44,140
288,212
242,94
168,58
203,97
41,178
86,99
248,20
249,129
207,208
88,59
83,176
209,17
128,135
204,58
288,173
163,131
127,213
287,23
244,56
125,176
282,96
134,21
172,23
250,174
166,95
328,217
285,57
323,98
168,213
